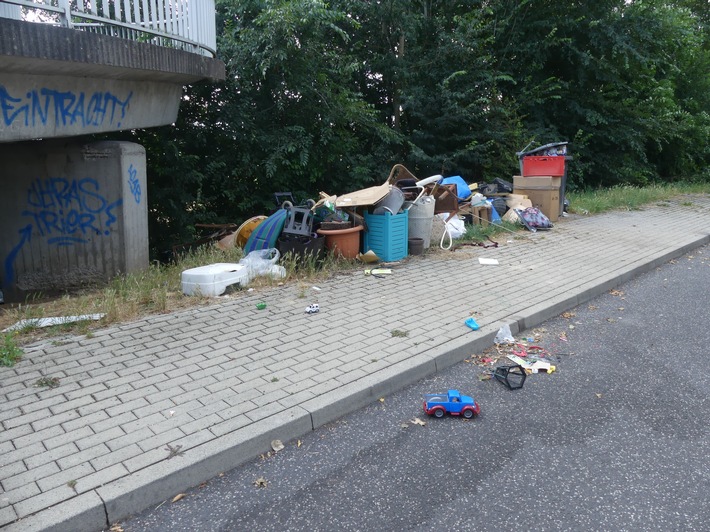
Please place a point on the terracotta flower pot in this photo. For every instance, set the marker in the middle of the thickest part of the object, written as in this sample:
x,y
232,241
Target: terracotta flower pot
x,y
343,242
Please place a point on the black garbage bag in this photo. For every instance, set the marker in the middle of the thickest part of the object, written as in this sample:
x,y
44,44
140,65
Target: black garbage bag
x,y
488,189
503,185
500,206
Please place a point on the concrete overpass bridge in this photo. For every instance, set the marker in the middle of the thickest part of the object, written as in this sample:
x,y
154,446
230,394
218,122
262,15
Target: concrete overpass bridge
x,y
73,211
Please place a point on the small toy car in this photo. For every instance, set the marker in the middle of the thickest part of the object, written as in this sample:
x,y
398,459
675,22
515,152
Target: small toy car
x,y
453,402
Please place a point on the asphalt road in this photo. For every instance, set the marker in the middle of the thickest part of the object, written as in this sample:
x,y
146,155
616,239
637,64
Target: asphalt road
x,y
615,439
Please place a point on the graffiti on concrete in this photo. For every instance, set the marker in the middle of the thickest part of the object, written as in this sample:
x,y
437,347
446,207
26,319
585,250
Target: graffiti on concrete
x,y
64,211
134,184
63,108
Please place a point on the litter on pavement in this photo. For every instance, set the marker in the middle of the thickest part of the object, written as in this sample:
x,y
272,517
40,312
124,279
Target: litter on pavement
x,y
50,322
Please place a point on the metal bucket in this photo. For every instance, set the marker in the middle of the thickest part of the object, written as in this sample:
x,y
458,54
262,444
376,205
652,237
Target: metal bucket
x,y
391,203
421,219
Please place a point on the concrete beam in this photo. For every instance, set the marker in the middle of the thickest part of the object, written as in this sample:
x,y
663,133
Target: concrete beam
x,y
41,106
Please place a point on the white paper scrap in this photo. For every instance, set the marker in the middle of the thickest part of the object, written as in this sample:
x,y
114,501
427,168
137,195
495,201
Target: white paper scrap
x,y
488,262
48,322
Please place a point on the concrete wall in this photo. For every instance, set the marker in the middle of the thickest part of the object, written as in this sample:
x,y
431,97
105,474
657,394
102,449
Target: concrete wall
x,y
70,214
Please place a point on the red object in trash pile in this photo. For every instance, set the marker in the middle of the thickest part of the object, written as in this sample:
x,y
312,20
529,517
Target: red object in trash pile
x,y
553,165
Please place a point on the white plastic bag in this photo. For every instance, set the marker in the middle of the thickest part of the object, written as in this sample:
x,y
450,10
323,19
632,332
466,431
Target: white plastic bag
x,y
263,262
454,228
504,335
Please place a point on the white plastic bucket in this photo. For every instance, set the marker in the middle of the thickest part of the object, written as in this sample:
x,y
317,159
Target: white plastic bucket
x,y
421,218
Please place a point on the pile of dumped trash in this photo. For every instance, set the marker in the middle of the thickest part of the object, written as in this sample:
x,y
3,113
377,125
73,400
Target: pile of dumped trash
x,y
386,222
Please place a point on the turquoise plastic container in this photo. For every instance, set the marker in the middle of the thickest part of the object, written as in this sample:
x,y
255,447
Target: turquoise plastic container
x,y
387,235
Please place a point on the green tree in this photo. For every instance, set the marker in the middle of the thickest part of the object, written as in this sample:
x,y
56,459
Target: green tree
x,y
604,75
288,118
328,96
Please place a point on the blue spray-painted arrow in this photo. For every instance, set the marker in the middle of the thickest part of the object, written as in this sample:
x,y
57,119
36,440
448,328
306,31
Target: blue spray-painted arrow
x,y
26,235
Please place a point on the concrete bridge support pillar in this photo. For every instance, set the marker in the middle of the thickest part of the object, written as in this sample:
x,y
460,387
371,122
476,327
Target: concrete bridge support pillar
x,y
71,213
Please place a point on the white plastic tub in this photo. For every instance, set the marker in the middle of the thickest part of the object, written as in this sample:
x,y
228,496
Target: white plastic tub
x,y
213,279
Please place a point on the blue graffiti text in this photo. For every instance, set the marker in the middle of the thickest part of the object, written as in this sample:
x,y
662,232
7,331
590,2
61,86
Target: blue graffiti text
x,y
134,184
68,211
63,108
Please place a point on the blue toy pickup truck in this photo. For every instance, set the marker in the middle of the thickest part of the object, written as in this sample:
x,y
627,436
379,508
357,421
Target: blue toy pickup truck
x,y
453,402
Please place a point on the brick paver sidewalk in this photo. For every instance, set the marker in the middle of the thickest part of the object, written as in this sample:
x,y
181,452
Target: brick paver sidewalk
x,y
150,408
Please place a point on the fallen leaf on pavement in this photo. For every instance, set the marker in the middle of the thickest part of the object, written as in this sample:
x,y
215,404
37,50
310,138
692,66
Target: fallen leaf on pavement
x,y
116,527
260,482
484,377
178,497
417,421
299,443
568,315
382,399
563,336
616,293
592,307
277,445
599,396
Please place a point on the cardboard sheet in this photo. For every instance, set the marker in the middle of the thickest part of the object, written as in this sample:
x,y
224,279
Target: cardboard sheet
x,y
364,197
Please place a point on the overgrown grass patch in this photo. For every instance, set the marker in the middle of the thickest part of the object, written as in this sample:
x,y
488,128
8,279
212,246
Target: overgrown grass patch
x,y
630,197
158,289
10,352
479,233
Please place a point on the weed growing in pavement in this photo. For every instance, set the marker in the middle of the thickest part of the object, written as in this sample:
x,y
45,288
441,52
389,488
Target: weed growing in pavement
x,y
10,353
47,382
399,334
301,290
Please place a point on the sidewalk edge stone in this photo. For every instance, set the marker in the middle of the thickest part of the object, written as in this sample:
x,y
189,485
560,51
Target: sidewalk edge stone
x,y
84,512
152,485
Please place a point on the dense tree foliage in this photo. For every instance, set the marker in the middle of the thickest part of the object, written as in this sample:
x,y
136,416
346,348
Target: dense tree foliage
x,y
327,96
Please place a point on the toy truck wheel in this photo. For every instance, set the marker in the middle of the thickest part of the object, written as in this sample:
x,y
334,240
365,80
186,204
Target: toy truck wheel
x,y
439,412
468,414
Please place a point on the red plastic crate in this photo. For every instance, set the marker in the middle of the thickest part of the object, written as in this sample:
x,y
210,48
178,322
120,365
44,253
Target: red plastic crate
x,y
543,165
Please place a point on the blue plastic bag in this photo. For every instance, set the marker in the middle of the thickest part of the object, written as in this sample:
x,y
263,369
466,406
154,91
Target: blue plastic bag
x,y
495,217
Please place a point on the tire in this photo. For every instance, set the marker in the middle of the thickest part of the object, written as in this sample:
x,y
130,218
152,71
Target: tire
x,y
439,412
468,414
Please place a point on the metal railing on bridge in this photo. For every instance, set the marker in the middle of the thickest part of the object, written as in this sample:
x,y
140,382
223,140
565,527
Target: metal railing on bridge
x,y
184,24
